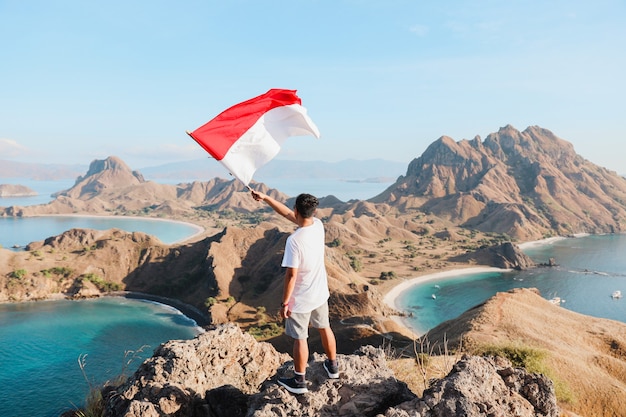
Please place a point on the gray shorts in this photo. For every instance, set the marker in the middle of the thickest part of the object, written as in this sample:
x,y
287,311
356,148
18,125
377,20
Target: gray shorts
x,y
297,324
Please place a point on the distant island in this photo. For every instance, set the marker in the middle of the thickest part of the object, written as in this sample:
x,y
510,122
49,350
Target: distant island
x,y
14,190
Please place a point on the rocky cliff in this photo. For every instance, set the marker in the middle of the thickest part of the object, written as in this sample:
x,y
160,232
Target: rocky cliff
x,y
225,373
526,184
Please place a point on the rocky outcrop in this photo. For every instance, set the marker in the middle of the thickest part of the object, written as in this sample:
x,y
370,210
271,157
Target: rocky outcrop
x,y
180,375
506,256
225,372
484,386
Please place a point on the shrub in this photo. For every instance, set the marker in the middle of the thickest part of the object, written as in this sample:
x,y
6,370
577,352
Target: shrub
x,y
388,275
355,263
336,242
18,273
102,284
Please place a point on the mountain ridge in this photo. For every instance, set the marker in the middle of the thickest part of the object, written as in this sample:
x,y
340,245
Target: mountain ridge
x,y
528,185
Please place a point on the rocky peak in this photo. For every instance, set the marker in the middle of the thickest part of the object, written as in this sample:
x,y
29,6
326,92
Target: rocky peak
x,y
112,163
110,173
534,144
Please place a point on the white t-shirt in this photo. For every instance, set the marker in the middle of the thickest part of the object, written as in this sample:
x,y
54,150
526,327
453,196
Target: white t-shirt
x,y
304,250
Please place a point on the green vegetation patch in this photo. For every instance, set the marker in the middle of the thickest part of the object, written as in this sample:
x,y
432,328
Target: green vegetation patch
x,y
18,273
64,272
533,360
266,331
101,283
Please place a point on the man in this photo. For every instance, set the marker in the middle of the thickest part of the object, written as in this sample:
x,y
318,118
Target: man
x,y
305,291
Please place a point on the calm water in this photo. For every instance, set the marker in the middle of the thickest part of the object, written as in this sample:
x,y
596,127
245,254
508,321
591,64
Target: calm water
x,y
41,343
24,230
590,269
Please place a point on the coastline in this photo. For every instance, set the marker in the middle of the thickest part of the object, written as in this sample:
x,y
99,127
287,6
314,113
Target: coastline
x,y
390,296
187,310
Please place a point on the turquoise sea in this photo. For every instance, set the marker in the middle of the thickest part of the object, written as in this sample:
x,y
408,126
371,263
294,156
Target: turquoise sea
x,y
589,269
21,231
42,342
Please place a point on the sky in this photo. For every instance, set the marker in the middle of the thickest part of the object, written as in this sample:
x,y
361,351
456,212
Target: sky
x,y
84,80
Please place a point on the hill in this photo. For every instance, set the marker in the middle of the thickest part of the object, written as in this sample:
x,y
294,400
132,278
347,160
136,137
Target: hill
x,y
528,185
586,356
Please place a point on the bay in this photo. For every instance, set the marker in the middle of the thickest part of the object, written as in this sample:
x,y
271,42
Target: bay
x,y
43,341
589,269
21,231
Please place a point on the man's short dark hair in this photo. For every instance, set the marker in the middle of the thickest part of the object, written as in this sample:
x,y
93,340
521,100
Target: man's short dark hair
x,y
306,204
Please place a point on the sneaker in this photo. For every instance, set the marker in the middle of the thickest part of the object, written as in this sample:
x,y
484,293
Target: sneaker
x,y
293,385
331,370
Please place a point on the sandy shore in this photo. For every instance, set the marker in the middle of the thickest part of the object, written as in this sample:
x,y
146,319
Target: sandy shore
x,y
392,295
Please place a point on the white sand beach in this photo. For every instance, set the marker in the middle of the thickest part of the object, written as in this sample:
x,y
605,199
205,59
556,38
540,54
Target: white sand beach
x,y
392,295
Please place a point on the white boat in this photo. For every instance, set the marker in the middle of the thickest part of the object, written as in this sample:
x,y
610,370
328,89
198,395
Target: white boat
x,y
556,301
616,294
434,297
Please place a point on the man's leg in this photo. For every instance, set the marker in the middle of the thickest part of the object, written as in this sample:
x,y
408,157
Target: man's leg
x,y
296,327
329,343
320,320
300,355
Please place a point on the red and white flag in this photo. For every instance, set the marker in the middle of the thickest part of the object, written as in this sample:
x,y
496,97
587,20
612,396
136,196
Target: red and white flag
x,y
247,135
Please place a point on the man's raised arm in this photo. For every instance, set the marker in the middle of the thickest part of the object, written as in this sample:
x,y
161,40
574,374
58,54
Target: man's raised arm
x,y
278,207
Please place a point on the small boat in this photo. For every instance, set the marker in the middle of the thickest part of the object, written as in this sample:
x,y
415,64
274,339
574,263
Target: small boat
x,y
434,296
616,294
556,301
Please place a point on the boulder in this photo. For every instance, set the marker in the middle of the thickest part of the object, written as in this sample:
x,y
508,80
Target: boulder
x,y
484,386
176,379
